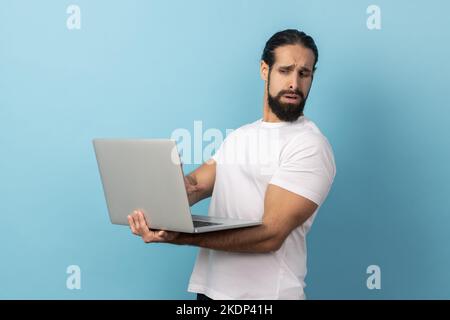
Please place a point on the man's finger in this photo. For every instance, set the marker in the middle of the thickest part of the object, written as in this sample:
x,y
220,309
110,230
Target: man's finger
x,y
190,189
162,234
131,223
136,221
142,222
191,181
147,223
158,236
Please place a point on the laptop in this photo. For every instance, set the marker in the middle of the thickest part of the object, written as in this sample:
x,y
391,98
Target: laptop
x,y
146,174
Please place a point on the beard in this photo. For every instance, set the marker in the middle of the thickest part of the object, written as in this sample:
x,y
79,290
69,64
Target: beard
x,y
286,111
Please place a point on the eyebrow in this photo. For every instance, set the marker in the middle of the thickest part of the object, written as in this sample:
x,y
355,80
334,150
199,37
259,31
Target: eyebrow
x,y
290,67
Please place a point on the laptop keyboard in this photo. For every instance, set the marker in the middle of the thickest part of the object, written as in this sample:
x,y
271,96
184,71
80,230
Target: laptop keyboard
x,y
198,223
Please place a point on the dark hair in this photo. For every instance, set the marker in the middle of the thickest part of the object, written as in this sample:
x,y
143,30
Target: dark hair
x,y
287,37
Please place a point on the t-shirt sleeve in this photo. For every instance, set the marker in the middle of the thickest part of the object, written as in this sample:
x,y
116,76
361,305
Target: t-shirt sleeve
x,y
215,156
306,168
218,152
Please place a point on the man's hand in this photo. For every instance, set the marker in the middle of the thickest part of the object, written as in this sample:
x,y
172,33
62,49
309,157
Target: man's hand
x,y
140,227
200,183
191,185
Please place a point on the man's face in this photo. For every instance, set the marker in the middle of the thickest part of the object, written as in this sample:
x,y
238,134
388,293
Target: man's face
x,y
289,81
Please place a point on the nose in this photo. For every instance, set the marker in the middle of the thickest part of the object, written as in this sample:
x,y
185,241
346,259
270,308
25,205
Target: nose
x,y
293,83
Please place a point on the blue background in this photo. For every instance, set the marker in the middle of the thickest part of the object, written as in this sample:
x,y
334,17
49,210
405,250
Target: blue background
x,y
146,68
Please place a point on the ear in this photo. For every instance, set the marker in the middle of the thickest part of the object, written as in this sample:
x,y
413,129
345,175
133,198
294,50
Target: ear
x,y
264,70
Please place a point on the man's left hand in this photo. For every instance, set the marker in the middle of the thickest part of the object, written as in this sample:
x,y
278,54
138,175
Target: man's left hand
x,y
140,227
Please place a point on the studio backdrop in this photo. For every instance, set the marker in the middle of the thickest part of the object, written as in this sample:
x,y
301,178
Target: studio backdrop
x,y
71,71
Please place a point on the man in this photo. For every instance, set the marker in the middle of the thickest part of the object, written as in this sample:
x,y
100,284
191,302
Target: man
x,y
285,187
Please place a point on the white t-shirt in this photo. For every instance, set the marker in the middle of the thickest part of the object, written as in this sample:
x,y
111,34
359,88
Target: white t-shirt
x,y
295,156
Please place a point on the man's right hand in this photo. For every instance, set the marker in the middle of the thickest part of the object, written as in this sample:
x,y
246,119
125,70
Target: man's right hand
x,y
191,184
199,184
193,189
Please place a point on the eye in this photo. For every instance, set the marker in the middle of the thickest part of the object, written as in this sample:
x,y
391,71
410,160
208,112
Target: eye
x,y
283,71
304,74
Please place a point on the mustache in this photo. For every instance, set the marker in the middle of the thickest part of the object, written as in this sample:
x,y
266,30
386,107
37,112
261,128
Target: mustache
x,y
290,92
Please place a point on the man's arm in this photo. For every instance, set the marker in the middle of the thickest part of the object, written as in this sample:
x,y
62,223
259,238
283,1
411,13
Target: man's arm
x,y
283,212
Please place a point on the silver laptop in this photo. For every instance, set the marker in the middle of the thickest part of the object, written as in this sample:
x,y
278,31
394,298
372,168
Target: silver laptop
x,y
146,174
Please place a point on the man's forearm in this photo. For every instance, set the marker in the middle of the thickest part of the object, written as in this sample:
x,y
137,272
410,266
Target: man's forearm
x,y
196,197
250,240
